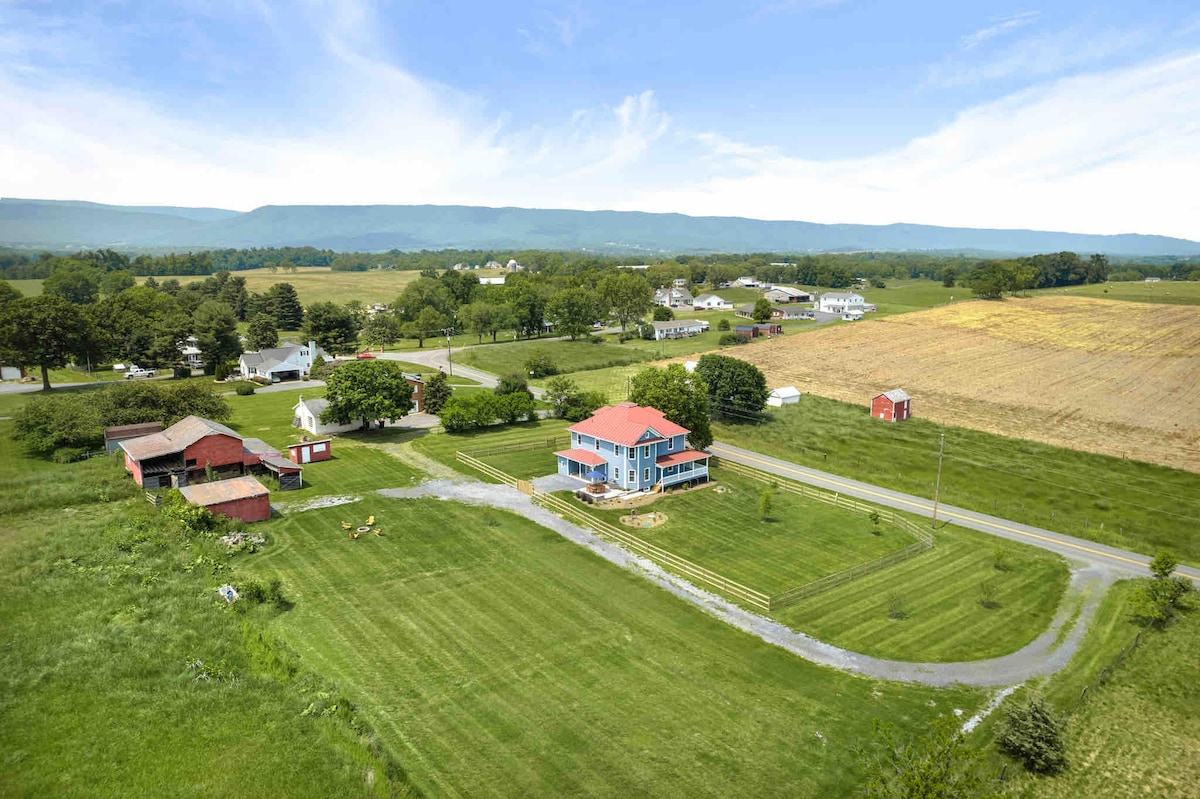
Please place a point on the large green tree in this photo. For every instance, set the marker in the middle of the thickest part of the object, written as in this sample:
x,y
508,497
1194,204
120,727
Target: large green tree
x,y
261,333
762,311
528,310
8,293
283,303
428,323
46,332
736,389
73,282
366,390
116,282
681,396
627,295
572,311
331,326
215,329
437,393
380,330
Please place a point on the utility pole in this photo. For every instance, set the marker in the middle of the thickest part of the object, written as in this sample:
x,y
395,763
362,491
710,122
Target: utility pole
x,y
938,487
449,362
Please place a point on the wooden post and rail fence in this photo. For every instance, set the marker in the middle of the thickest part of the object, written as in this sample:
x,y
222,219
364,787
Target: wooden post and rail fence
x,y
757,599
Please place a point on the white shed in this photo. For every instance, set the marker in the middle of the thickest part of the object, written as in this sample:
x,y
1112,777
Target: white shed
x,y
788,395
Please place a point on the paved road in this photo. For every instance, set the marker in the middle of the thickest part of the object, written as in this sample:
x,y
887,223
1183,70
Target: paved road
x,y
1096,555
437,359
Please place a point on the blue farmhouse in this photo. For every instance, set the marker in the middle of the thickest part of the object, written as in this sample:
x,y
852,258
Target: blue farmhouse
x,y
634,448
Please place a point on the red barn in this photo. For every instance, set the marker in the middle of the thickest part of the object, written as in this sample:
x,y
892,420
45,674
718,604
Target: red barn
x,y
310,451
238,498
894,405
418,394
182,452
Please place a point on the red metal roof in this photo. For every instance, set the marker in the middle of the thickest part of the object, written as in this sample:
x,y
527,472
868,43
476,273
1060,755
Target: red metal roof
x,y
626,424
676,458
221,491
584,456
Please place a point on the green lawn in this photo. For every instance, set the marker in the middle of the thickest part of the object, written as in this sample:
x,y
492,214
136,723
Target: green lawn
x,y
1170,292
938,591
568,356
525,465
496,658
903,296
1124,503
355,466
804,540
1134,734
103,607
30,288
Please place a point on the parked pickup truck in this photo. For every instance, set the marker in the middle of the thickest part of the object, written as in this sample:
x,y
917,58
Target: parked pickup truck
x,y
137,371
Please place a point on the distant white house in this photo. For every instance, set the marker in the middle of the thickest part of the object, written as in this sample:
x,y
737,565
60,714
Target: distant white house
x,y
289,362
748,282
306,415
787,294
189,352
492,281
1153,280
841,302
678,328
788,395
852,316
633,266
673,298
681,282
711,302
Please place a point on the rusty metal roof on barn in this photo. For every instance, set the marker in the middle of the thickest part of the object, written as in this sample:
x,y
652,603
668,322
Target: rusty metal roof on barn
x,y
175,438
895,395
220,491
132,430
256,446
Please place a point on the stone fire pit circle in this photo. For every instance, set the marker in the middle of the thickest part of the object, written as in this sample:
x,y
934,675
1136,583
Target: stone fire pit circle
x,y
648,519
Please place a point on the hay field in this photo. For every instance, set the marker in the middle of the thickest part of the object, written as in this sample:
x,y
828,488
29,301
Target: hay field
x,y
1117,378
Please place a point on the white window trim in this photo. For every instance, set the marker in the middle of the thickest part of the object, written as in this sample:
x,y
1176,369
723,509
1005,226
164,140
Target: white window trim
x,y
617,450
597,441
632,476
646,451
670,444
646,473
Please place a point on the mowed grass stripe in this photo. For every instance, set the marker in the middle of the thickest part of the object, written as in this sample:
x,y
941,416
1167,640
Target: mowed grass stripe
x,y
545,670
939,590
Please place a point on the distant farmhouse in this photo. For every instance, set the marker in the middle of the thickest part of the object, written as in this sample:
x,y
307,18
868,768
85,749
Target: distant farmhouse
x,y
711,302
841,302
678,328
778,312
189,352
306,414
634,448
673,298
289,362
748,282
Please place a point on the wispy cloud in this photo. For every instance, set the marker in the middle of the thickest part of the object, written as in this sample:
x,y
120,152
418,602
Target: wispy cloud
x,y
1095,153
998,28
554,30
1038,56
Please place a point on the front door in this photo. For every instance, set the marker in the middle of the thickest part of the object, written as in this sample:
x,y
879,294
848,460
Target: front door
x,y
305,454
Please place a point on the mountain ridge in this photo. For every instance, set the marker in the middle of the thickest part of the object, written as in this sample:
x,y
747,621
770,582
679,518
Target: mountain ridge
x,y
59,224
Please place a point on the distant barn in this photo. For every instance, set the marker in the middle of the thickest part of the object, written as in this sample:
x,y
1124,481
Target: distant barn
x,y
892,406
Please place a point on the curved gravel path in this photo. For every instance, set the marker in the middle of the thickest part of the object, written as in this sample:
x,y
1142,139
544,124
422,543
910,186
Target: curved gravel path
x,y
1038,658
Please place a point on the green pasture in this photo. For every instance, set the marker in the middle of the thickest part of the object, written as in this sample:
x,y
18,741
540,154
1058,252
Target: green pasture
x,y
803,539
568,356
1124,503
937,594
524,465
104,608
1168,292
495,657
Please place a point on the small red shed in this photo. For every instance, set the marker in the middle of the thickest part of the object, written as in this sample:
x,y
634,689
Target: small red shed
x,y
892,406
238,498
310,451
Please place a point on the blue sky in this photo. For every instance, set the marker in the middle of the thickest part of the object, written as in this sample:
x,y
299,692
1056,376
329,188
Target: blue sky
x,y
1070,116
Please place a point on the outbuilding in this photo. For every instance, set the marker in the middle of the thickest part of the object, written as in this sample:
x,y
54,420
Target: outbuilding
x,y
892,406
310,451
788,395
238,498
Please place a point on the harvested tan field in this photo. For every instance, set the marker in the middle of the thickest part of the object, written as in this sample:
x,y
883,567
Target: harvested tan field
x,y
1117,378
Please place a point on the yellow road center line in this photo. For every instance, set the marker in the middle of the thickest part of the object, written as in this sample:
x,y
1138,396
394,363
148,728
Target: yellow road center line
x,y
926,505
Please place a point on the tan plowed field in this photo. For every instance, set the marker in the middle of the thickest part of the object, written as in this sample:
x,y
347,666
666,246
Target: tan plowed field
x,y
1118,378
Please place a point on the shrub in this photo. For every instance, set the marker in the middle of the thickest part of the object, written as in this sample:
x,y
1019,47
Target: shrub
x,y
244,388
221,371
437,392
723,325
646,331
987,595
181,372
1000,559
539,364
663,314
896,609
1032,734
512,384
731,339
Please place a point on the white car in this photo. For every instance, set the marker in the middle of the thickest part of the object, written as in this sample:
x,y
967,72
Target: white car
x,y
136,371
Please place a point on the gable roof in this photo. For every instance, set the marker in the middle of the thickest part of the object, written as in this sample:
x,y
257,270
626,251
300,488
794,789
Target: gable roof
x,y
785,391
313,406
175,438
132,430
843,296
895,395
788,290
670,324
626,424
